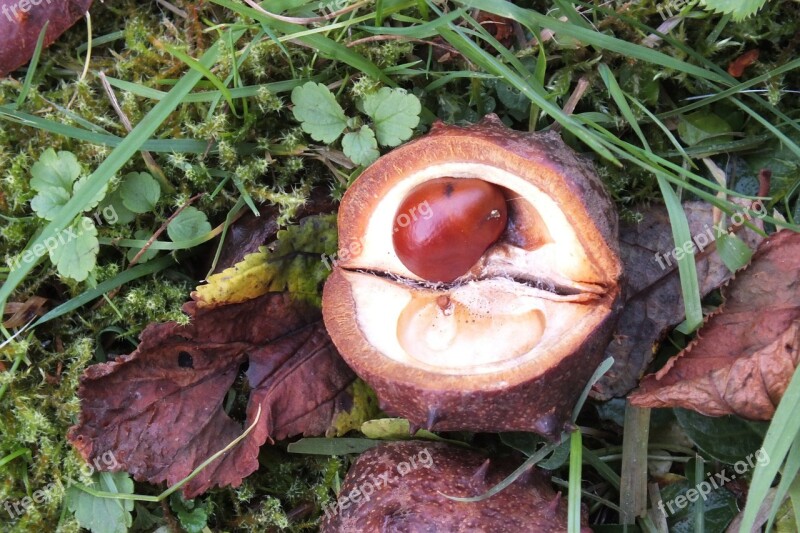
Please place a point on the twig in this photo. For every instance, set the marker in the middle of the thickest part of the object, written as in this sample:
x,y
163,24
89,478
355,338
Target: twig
x,y
148,158
574,98
160,230
178,11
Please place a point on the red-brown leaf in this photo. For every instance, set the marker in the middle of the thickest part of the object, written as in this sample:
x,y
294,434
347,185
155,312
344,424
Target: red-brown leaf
x,y
737,66
19,29
160,408
746,353
653,302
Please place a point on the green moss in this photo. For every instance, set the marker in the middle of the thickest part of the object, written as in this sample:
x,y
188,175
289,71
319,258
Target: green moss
x,y
273,160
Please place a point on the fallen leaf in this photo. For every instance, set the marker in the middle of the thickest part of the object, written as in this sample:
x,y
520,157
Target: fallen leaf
x,y
294,262
746,353
23,312
653,295
498,27
159,410
20,28
250,232
737,66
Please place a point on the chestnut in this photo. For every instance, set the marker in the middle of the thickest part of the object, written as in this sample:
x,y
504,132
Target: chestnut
x,y
460,220
403,486
491,309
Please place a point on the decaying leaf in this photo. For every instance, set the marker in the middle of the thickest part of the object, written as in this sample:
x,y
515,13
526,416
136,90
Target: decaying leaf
x,y
737,67
23,312
250,232
21,23
652,289
745,354
293,262
159,410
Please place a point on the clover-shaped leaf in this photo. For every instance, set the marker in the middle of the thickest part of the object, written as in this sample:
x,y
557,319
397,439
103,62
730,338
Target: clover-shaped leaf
x,y
319,113
55,170
395,114
103,515
188,224
48,201
139,192
361,146
142,235
74,250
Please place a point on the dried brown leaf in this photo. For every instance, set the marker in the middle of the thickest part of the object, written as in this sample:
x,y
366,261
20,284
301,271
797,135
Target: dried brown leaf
x,y
250,232
653,301
22,312
746,353
159,410
20,28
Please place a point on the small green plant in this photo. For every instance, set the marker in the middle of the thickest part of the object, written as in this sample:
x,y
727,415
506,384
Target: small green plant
x,y
740,9
103,515
56,178
394,114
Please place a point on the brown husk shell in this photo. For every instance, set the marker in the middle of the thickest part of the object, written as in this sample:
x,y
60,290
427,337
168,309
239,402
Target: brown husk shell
x,y
401,486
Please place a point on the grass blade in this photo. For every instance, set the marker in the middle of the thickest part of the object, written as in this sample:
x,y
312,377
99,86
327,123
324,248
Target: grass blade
x,y
108,168
120,279
782,432
574,496
37,52
788,475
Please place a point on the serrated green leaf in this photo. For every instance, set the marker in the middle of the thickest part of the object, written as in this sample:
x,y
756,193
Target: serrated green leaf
x,y
395,114
139,192
56,170
318,112
103,515
142,235
189,223
361,147
74,250
740,9
48,201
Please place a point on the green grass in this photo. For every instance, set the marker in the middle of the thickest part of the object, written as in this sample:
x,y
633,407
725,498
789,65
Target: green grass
x,y
208,96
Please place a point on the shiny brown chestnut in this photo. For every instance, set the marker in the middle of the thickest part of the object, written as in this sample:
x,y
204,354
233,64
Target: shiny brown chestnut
x,y
503,342
446,224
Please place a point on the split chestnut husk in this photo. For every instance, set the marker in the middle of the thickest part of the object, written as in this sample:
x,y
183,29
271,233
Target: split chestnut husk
x,y
459,325
403,486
